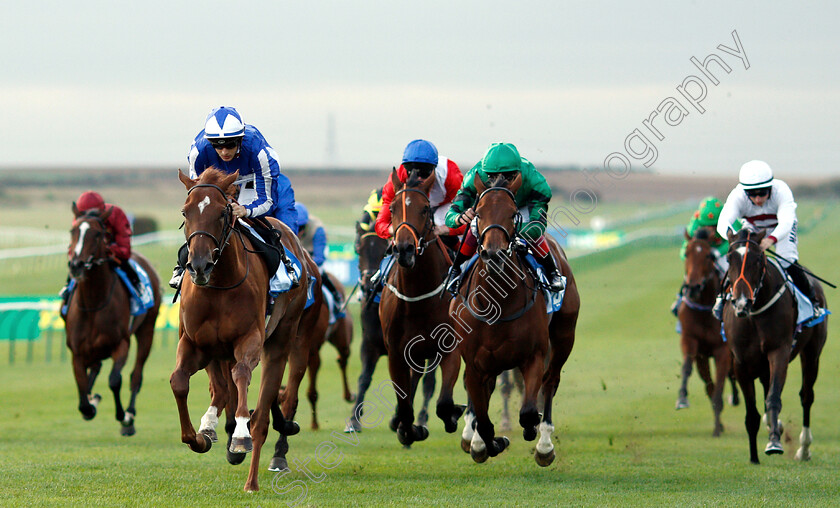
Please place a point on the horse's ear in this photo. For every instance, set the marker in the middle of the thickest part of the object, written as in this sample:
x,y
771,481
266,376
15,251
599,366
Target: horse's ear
x,y
479,184
395,180
516,183
427,184
75,209
685,233
107,213
730,235
187,181
227,182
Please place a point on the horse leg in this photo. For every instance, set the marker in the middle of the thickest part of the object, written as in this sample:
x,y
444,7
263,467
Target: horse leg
x,y
230,403
484,442
218,400
733,399
144,335
274,353
188,361
529,415
401,373
723,365
340,338
469,426
369,359
778,361
505,388
86,407
810,361
446,409
753,419
247,354
119,357
428,382
312,392
689,350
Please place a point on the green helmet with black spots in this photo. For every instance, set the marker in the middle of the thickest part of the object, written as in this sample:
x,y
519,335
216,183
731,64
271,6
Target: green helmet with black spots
x,y
501,158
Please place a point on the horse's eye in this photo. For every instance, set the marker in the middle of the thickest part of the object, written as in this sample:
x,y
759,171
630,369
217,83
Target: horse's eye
x,y
183,213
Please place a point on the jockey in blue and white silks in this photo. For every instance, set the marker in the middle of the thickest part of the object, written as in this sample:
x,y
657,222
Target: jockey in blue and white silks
x,y
255,159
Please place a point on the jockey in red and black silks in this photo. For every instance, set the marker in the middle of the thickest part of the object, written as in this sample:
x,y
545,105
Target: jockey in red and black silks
x,y
116,222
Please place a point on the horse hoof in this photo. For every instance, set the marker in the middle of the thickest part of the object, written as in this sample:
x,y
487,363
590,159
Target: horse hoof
x,y
502,444
95,399
201,445
290,429
421,432
128,420
235,458
88,412
773,448
210,434
479,457
422,418
394,423
544,460
465,445
803,455
529,433
240,445
733,400
128,431
352,426
682,404
278,464
404,438
314,426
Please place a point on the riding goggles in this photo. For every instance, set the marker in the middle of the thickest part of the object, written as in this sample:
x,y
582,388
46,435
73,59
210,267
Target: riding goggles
x,y
757,193
225,142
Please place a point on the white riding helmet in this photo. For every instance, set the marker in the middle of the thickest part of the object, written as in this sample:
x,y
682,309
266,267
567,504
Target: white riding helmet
x,y
224,122
755,175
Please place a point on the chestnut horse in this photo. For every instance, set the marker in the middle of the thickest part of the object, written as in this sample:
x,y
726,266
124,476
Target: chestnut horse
x,y
413,308
370,248
507,326
700,337
760,320
98,322
222,318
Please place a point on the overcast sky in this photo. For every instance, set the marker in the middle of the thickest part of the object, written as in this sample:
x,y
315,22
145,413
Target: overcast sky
x,y
99,83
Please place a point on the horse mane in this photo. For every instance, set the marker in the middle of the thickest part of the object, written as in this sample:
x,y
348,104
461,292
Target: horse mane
x,y
498,180
214,176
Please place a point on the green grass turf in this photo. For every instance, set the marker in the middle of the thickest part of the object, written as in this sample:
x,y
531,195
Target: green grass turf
x,y
619,440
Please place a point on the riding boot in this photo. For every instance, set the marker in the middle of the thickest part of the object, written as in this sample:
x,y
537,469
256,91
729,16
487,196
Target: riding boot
x,y
454,276
64,294
800,280
675,307
717,309
132,275
338,300
556,283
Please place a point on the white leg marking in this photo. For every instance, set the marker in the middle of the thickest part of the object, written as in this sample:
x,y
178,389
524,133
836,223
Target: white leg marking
x,y
83,227
210,419
805,440
241,427
467,433
544,446
477,444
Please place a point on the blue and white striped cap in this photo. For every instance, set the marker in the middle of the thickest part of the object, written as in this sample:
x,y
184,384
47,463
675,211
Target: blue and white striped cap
x,y
224,122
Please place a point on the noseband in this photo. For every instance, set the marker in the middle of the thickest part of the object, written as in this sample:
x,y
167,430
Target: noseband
x,y
227,225
92,261
420,242
508,235
753,291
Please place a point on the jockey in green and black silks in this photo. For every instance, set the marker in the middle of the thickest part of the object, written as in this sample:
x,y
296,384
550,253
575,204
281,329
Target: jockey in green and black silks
x,y
532,200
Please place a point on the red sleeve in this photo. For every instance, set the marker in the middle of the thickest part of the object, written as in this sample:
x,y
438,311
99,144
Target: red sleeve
x,y
121,230
383,220
454,178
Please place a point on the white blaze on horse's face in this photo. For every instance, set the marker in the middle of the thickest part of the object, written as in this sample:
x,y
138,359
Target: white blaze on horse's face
x,y
203,204
742,250
80,242
407,202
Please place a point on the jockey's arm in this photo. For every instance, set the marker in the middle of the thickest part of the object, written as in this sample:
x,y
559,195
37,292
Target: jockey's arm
x,y
319,246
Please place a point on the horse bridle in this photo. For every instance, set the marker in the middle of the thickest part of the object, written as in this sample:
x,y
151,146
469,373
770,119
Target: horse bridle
x,y
420,242
227,224
753,291
508,235
92,261
705,280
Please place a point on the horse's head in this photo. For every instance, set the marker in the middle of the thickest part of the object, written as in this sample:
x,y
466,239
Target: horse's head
x,y
411,217
208,220
497,216
371,249
747,266
89,240
699,264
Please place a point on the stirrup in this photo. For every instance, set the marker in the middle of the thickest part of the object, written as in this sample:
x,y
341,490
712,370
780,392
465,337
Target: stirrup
x,y
717,310
290,269
454,281
177,276
557,283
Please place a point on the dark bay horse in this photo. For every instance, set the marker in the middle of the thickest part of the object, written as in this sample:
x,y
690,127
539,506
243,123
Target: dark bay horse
x,y
98,324
700,337
371,248
222,318
760,322
506,326
413,308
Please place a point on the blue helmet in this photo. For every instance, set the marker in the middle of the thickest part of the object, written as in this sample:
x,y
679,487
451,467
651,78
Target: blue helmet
x,y
224,122
302,215
420,150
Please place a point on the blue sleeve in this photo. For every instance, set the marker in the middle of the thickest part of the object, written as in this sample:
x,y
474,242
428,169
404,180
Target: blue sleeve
x,y
266,178
284,205
319,245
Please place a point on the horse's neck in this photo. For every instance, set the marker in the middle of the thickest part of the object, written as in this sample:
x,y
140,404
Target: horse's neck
x,y
231,265
711,290
505,286
773,278
96,286
429,268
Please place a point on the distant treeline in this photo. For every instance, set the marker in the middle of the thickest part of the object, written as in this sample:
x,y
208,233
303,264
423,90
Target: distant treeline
x,y
829,189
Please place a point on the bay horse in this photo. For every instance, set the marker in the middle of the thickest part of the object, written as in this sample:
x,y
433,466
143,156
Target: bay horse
x,y
507,325
700,337
98,324
222,318
760,320
370,249
413,309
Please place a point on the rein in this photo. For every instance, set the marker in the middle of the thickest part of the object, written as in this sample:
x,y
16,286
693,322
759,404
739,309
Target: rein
x,y
779,292
420,242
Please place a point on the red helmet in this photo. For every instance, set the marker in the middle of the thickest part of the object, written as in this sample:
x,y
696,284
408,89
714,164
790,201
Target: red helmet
x,y
90,200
